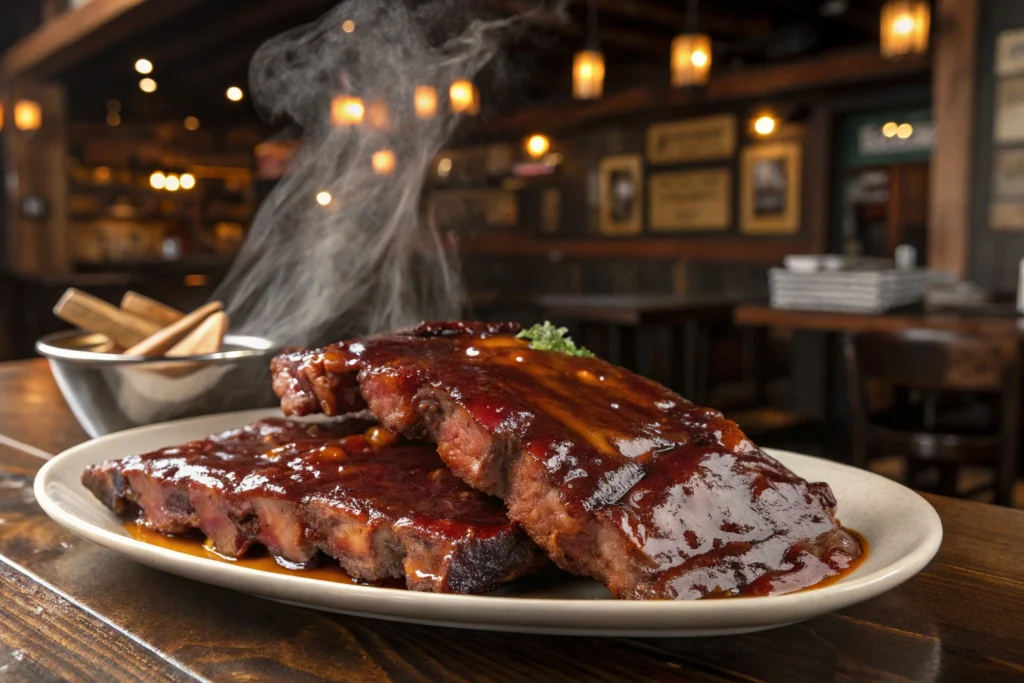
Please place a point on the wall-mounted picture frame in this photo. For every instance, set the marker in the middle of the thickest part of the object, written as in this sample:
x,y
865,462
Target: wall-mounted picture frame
x,y
698,200
1010,52
770,188
621,195
706,138
1009,110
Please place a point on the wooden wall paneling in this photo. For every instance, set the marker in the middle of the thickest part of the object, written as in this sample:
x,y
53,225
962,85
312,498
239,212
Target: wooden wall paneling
x,y
954,73
818,178
36,167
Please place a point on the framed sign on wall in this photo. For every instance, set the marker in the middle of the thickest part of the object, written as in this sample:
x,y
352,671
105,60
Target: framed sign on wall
x,y
770,182
621,195
690,200
700,139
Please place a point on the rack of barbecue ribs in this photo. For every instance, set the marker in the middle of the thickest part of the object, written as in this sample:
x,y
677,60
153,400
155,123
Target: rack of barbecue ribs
x,y
383,511
614,476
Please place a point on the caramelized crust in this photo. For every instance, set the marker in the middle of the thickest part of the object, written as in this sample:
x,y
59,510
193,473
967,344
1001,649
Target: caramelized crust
x,y
390,511
615,476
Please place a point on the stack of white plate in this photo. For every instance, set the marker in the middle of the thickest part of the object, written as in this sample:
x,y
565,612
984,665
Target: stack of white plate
x,y
854,291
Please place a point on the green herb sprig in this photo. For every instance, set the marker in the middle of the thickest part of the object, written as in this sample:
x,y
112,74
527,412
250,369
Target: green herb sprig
x,y
547,337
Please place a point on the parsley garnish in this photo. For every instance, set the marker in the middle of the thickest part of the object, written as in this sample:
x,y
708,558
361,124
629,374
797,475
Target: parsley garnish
x,y
547,337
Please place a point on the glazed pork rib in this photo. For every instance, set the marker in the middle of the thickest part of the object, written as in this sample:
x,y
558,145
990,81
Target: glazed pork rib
x,y
615,476
385,511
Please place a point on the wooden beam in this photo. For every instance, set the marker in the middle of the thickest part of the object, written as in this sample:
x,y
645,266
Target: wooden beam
x,y
954,90
824,71
733,23
76,34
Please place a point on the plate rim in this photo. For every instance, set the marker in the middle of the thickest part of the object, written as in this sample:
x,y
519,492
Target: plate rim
x,y
848,591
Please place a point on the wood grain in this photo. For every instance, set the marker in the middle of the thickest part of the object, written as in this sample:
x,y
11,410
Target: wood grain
x,y
824,321
957,620
954,75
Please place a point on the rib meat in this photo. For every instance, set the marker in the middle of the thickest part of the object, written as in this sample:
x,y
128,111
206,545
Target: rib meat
x,y
615,476
390,511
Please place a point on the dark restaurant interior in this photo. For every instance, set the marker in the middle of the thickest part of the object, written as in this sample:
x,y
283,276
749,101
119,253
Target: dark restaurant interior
x,y
850,286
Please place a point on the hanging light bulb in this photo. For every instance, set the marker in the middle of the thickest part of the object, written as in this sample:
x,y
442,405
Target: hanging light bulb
x,y
691,52
157,180
172,183
764,125
588,64
537,145
28,115
425,101
347,110
188,181
464,97
904,28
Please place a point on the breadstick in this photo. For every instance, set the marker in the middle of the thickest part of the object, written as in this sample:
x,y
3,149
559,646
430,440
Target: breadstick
x,y
158,343
150,309
95,315
204,339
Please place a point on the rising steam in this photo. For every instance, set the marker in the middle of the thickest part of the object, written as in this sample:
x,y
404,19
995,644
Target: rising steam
x,y
367,261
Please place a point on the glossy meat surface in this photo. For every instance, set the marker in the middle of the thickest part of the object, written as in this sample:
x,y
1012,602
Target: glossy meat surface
x,y
385,511
615,476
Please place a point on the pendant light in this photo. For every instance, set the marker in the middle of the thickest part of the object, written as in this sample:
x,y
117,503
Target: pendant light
x,y
691,52
904,28
588,63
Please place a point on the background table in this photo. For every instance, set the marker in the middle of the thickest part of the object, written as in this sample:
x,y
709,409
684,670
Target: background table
x,y
70,609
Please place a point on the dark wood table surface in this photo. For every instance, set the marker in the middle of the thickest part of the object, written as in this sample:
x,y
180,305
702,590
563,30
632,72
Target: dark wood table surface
x,y
984,321
72,610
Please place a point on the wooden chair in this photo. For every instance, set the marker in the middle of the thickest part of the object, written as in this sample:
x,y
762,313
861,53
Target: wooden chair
x,y
928,368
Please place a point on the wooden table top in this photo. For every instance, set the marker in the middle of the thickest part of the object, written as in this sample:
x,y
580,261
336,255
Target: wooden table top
x,y
72,610
826,321
635,309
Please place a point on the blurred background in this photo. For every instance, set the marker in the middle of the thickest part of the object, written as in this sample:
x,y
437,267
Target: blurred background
x,y
664,177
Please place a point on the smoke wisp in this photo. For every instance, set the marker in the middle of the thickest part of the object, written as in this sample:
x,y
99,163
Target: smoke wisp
x,y
368,260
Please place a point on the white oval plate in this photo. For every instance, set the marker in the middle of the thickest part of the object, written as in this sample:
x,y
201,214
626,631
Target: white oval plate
x,y
903,531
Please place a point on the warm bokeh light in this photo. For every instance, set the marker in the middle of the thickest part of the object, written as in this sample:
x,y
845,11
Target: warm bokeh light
x,y
28,115
234,93
1,115
113,119
537,145
323,198
904,28
196,280
378,115
102,174
588,75
691,59
464,98
904,131
144,66
191,123
889,129
157,180
147,85
425,101
764,125
188,181
444,167
113,105
348,26
172,183
347,110
383,162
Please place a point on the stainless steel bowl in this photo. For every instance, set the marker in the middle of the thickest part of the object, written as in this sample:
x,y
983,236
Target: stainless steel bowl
x,y
108,392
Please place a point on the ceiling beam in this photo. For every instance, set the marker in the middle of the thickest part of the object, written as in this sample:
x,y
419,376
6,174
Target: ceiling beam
x,y
675,19
826,70
76,34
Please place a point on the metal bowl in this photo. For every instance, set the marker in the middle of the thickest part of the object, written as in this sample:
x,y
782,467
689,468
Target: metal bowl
x,y
108,392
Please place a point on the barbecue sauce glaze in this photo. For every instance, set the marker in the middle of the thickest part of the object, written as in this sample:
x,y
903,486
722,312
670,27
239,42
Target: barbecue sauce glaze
x,y
704,511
